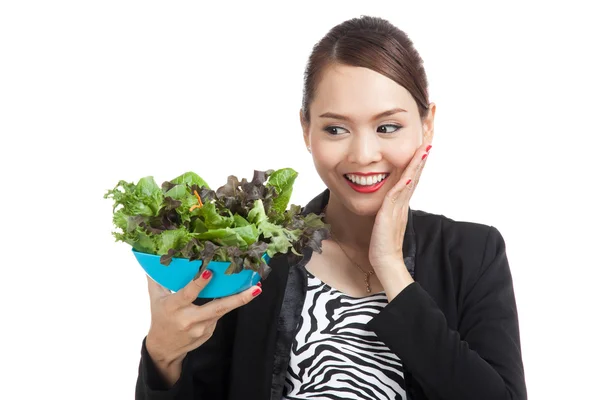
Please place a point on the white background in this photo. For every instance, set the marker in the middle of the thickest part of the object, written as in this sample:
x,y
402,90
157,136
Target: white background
x,y
95,92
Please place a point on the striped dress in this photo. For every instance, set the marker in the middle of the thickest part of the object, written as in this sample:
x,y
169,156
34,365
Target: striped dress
x,y
334,355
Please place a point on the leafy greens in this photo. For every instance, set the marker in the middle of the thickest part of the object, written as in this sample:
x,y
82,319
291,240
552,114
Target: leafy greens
x,y
238,222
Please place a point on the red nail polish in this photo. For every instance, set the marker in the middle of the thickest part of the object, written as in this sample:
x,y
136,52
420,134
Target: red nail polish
x,y
206,274
259,284
256,292
424,155
408,181
428,148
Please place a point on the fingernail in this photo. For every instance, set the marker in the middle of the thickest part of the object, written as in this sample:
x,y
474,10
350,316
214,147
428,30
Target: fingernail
x,y
424,155
256,292
408,181
259,284
428,148
206,274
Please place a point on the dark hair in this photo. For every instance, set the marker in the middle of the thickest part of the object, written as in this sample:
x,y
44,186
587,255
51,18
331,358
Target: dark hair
x,y
373,43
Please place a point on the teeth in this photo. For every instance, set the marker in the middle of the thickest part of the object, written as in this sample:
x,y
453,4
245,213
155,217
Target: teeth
x,y
366,180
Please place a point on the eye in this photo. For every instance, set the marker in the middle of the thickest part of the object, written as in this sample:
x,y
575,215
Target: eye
x,y
333,130
388,125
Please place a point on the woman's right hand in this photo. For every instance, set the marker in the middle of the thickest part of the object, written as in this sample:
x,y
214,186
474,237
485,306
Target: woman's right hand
x,y
179,326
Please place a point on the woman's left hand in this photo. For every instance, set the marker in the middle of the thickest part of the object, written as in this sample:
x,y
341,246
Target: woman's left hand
x,y
387,237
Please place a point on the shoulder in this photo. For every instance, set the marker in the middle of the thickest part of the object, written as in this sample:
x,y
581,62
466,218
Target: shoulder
x,y
457,231
472,253
465,239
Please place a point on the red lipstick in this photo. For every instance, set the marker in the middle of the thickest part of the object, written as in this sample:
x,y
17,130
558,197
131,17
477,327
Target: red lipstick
x,y
367,188
366,173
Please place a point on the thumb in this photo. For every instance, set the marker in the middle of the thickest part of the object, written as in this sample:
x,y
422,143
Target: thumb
x,y
156,290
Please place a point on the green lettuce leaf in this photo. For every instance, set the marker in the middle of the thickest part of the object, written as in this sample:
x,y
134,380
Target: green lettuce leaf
x,y
248,233
177,192
238,221
172,239
143,199
190,178
212,218
257,215
282,180
224,236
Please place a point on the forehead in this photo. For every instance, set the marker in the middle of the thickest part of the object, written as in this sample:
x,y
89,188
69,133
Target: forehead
x,y
359,90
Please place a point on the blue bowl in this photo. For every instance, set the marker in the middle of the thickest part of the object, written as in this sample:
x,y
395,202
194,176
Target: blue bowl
x,y
181,271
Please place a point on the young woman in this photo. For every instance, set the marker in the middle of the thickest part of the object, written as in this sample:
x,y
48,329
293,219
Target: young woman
x,y
400,304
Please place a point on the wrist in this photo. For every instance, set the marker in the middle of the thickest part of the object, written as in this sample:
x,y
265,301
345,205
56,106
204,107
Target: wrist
x,y
168,368
394,278
159,356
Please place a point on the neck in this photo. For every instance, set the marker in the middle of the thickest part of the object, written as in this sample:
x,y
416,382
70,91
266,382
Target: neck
x,y
347,227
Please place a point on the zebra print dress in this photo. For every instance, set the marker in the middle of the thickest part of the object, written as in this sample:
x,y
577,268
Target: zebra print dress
x,y
334,355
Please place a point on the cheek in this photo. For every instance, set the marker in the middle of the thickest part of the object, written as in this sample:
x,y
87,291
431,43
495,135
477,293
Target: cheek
x,y
399,157
324,164
327,157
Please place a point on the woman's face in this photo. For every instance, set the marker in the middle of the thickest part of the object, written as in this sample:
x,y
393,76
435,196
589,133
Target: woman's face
x,y
359,143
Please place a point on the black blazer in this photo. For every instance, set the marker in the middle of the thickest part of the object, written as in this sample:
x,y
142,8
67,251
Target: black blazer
x,y
455,328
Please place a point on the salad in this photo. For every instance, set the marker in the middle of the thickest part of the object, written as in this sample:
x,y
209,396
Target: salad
x,y
239,222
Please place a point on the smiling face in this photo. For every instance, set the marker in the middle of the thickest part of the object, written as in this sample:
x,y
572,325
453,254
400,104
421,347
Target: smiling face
x,y
360,150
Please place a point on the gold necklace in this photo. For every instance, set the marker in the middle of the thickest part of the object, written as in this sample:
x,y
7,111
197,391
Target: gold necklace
x,y
366,274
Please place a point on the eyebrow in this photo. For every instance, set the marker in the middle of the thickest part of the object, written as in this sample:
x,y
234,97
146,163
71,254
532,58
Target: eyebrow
x,y
380,115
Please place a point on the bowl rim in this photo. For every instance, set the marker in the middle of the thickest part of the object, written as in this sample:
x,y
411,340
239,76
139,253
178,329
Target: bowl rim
x,y
265,256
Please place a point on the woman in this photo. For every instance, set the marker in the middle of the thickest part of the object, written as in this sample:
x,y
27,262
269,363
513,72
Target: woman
x,y
400,304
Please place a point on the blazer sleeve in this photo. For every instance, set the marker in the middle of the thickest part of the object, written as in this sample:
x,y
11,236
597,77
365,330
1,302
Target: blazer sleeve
x,y
204,372
482,360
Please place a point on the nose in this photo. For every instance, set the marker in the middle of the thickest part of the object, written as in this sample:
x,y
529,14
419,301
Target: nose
x,y
364,149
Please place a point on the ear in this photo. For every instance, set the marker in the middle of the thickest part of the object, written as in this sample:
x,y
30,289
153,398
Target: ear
x,y
428,124
305,130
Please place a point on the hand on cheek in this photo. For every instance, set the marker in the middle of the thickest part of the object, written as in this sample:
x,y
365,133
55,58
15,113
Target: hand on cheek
x,y
387,236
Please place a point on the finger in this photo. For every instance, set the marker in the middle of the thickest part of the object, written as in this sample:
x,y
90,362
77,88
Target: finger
x,y
416,176
396,195
220,307
406,192
156,290
411,173
418,161
189,292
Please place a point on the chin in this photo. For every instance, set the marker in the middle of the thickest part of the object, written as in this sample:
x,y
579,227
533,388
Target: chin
x,y
363,208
